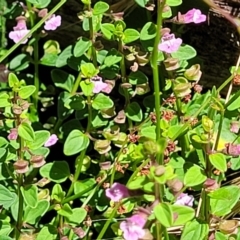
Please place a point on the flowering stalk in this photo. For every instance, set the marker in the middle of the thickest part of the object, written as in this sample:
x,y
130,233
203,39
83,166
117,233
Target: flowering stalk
x,y
38,25
159,157
34,108
154,64
92,38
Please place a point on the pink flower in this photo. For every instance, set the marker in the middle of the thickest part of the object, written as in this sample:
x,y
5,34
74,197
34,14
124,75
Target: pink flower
x,y
133,227
194,16
234,127
53,22
13,134
185,200
51,140
232,149
20,30
169,43
99,85
117,192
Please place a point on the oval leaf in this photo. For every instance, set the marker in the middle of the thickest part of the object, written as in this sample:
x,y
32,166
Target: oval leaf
x,y
75,143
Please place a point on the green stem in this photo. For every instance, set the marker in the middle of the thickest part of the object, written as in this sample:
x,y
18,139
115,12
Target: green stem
x,y
116,161
92,37
154,64
77,173
219,131
38,25
20,207
76,84
36,73
93,192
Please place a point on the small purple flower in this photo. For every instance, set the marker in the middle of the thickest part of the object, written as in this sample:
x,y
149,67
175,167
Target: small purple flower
x,y
133,227
53,22
194,16
20,30
51,140
13,134
169,43
185,200
99,85
117,192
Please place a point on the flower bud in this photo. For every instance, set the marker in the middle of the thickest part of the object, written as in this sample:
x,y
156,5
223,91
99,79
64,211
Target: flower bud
x,y
102,146
37,161
21,166
159,171
16,109
228,226
175,185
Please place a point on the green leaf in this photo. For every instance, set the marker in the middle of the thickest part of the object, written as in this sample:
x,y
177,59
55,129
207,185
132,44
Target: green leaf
x,y
167,14
57,193
13,80
137,77
194,176
5,227
108,30
138,182
57,171
49,59
76,102
81,47
142,3
62,79
77,217
30,195
173,3
32,215
184,214
148,31
19,63
130,35
164,214
75,143
47,233
134,112
26,132
88,70
102,102
149,132
7,198
100,8
184,53
65,211
219,161
87,88
64,56
41,137
83,185
195,230
26,91
224,199
113,57
234,104
40,3
220,236
63,111
4,100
